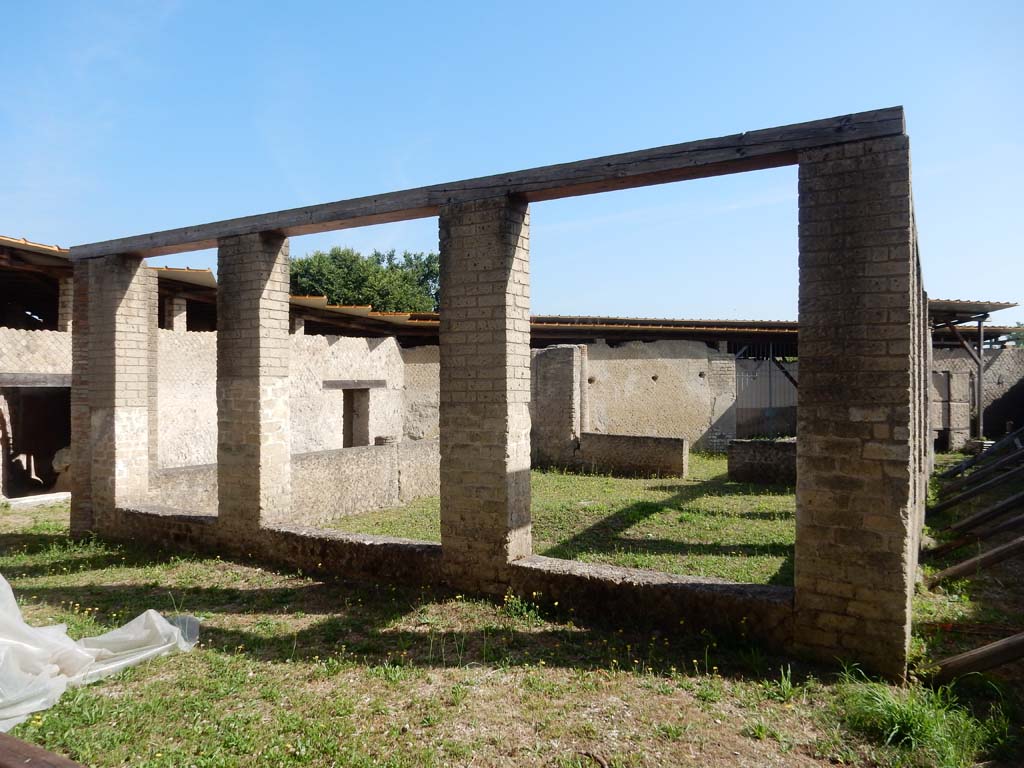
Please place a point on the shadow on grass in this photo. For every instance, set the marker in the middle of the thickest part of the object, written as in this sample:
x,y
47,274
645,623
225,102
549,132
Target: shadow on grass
x,y
372,625
607,535
67,560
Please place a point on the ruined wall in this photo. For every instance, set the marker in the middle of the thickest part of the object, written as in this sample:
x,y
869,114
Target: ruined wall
x,y
34,351
325,484
1003,385
663,389
317,413
187,398
421,391
763,461
187,369
633,455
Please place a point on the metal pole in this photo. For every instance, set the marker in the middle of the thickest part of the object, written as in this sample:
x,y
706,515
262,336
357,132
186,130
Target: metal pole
x,y
981,375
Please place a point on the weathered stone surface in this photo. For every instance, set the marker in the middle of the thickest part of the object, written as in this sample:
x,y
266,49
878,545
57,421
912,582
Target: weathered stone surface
x,y
764,614
325,484
663,389
862,405
485,391
763,461
633,456
253,425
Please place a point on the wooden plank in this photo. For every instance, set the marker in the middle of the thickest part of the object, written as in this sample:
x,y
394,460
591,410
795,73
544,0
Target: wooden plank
x,y
984,455
35,379
984,471
769,148
950,546
980,562
976,490
980,659
996,510
354,383
15,753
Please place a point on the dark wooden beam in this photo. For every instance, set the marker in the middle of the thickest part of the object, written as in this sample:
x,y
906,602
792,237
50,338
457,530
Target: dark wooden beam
x,y
15,753
980,659
985,560
35,379
769,148
354,383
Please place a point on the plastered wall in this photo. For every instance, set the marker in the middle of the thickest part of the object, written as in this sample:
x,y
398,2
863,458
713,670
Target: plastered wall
x,y
187,392
663,389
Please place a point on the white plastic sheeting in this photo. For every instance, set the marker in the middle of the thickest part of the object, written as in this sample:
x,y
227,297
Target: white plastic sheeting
x,y
37,664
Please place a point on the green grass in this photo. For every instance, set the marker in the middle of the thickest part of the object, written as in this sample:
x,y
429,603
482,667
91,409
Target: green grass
x,y
927,727
704,525
296,671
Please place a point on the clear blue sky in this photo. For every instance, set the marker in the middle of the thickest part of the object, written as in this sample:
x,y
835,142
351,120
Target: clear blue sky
x,y
121,118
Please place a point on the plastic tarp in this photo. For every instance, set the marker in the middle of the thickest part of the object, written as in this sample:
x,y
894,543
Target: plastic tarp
x,y
37,664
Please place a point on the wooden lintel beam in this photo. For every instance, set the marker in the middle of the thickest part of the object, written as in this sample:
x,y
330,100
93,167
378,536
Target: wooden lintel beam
x,y
769,148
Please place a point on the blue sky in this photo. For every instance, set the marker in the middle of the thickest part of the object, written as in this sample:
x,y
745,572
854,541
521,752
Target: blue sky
x,y
120,118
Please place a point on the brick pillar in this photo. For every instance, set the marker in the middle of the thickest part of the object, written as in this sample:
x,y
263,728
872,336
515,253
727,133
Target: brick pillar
x,y
858,505
65,303
81,409
122,304
176,314
254,437
485,391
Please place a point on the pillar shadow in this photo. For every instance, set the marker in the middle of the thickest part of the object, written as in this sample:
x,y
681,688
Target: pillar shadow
x,y
607,535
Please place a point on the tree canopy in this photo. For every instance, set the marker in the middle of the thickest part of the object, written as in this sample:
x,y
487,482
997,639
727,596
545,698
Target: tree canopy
x,y
391,283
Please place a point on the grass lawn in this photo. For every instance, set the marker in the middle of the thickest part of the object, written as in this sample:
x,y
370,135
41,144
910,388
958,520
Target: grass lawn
x,y
704,525
298,671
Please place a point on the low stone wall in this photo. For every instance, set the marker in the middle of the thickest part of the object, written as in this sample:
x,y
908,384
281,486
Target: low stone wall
x,y
419,469
759,612
310,550
325,484
633,455
763,461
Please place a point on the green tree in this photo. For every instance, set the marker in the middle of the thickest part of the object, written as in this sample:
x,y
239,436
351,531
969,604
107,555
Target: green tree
x,y
388,282
1018,335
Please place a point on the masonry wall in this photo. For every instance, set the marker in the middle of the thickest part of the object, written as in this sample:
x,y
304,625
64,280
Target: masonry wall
x,y
421,391
1003,386
188,405
663,389
34,351
861,453
763,461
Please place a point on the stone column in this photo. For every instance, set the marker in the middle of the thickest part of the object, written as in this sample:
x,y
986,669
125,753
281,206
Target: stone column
x,y
81,409
254,437
858,506
485,391
298,325
121,307
176,314
65,303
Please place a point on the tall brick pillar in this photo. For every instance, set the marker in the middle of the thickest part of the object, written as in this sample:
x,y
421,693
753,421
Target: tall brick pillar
x,y
81,409
254,437
121,306
858,468
485,391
